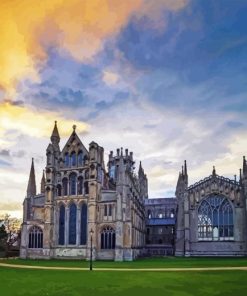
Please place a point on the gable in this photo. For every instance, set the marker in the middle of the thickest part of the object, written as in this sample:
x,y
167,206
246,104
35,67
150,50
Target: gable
x,y
74,144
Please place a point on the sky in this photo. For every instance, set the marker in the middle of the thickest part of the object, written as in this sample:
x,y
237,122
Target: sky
x,y
164,78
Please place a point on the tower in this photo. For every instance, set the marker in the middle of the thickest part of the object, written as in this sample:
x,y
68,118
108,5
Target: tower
x,y
52,158
182,223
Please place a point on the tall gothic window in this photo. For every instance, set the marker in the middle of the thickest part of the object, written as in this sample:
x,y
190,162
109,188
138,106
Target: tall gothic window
x,y
86,188
61,225
108,238
80,186
72,224
35,238
72,184
73,159
215,219
65,186
66,160
83,224
59,190
80,158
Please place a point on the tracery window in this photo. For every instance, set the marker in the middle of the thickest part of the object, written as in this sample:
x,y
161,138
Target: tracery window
x,y
35,238
83,224
80,158
108,238
72,184
61,225
66,160
215,219
72,224
80,186
65,186
73,159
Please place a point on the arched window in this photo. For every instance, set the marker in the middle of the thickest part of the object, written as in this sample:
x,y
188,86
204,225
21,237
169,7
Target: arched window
x,y
35,238
149,214
61,225
66,160
80,158
215,219
65,186
110,210
72,184
83,224
49,158
87,174
59,190
80,186
86,189
72,224
73,159
160,215
108,238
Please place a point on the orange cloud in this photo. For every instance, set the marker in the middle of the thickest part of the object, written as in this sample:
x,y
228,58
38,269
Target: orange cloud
x,y
35,124
28,28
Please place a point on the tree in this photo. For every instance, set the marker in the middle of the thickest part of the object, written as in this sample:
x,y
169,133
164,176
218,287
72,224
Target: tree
x,y
3,238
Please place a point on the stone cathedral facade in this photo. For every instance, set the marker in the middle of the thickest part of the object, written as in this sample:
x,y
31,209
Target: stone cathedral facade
x,y
212,215
80,199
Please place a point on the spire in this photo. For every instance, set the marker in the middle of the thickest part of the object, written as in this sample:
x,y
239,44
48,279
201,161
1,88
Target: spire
x,y
55,138
140,168
185,168
31,188
244,167
214,171
42,184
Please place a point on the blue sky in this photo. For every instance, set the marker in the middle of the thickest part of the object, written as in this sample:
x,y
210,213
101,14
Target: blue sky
x,y
169,83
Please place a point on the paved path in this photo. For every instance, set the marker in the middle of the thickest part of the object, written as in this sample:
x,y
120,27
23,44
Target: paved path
x,y
122,269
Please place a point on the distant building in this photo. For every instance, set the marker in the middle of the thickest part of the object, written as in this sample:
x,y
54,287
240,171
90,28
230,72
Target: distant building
x,y
79,197
160,226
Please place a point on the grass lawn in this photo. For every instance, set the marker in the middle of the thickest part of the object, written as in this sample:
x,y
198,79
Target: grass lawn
x,y
140,263
18,282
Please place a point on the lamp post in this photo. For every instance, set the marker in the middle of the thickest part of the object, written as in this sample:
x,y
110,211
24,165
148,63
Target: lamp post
x,y
91,249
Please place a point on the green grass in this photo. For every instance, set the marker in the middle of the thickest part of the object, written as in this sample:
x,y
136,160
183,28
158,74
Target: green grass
x,y
141,263
19,282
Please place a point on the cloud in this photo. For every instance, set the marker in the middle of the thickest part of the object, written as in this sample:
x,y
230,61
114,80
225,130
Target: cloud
x,y
5,153
76,27
110,78
35,123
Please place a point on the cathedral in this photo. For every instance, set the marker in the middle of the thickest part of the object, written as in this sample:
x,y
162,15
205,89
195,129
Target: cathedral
x,y
84,207
83,204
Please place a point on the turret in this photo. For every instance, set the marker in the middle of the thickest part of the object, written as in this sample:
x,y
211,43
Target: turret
x,y
42,184
31,188
55,138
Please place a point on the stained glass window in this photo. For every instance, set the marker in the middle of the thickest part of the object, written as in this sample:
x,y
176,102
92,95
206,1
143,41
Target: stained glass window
x,y
215,219
108,238
35,238
73,159
66,160
72,184
80,158
72,224
65,186
61,225
80,186
83,224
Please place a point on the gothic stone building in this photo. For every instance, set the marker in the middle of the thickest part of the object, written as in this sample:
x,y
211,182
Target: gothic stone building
x,y
211,215
160,226
80,200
